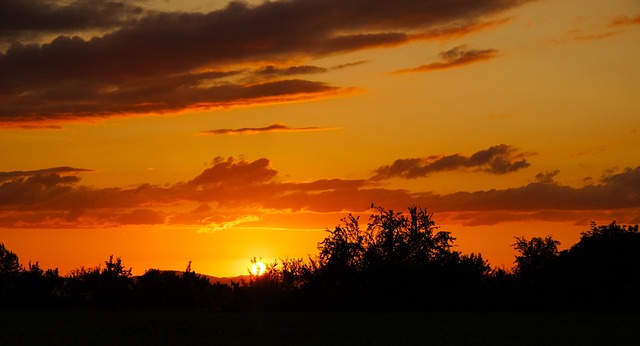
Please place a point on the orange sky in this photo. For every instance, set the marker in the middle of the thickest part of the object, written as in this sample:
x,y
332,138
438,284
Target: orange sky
x,y
174,131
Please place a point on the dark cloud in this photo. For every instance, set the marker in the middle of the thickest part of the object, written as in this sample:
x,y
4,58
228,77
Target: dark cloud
x,y
270,128
455,57
29,19
230,172
498,159
114,74
78,100
617,191
289,71
40,127
547,177
57,171
233,189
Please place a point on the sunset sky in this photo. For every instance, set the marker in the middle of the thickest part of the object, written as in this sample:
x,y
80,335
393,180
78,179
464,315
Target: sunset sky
x,y
169,131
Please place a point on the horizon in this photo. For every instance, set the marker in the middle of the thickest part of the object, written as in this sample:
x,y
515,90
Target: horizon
x,y
166,132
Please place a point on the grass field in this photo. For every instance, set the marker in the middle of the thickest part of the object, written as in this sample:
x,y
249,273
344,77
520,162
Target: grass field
x,y
104,327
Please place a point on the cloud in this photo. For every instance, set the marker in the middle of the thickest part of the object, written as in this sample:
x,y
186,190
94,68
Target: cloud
x,y
30,19
141,217
270,128
40,127
616,24
595,37
624,20
547,177
498,159
212,227
232,191
230,172
132,69
292,70
80,100
56,171
350,64
455,57
617,191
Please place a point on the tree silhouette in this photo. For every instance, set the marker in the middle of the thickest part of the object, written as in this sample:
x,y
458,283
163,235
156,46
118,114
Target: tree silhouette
x,y
398,260
180,290
9,270
110,286
603,269
37,287
9,264
534,255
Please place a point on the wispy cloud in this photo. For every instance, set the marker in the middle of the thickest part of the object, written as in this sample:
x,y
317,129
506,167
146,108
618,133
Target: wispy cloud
x,y
40,127
624,20
455,57
271,128
350,64
595,37
289,71
601,30
56,171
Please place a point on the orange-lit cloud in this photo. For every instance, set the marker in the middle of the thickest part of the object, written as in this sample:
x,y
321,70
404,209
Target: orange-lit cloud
x,y
270,128
624,20
594,37
148,62
455,57
350,64
233,191
617,24
498,159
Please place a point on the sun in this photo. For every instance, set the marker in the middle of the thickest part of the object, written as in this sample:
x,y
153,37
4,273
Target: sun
x,y
258,268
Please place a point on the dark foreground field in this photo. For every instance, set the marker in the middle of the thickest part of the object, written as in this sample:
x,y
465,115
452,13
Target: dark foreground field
x,y
103,327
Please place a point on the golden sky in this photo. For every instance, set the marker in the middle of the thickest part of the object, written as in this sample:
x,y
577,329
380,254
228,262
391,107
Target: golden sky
x,y
172,131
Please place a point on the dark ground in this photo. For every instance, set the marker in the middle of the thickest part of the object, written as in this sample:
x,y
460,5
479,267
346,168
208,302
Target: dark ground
x,y
111,327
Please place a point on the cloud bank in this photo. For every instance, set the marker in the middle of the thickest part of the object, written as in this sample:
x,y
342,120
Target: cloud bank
x,y
232,189
156,62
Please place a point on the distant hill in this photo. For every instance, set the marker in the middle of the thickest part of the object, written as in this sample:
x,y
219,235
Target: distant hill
x,y
226,280
212,279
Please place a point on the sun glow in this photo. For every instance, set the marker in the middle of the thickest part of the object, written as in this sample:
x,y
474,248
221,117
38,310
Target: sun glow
x,y
258,268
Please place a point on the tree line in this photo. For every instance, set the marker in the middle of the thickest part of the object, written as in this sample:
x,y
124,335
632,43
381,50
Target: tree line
x,y
397,262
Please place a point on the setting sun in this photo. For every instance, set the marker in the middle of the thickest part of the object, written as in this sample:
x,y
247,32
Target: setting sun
x,y
258,268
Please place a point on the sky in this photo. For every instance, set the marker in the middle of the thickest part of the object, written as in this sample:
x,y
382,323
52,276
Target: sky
x,y
166,131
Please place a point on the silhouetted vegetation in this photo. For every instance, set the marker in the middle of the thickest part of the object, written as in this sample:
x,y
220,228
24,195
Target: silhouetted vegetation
x,y
397,262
